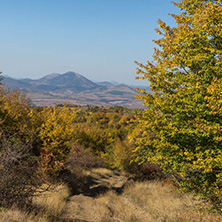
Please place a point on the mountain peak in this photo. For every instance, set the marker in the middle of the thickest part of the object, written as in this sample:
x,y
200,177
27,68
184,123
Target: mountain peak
x,y
70,73
73,74
67,81
51,76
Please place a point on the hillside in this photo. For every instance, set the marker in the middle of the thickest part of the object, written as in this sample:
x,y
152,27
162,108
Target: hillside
x,y
73,88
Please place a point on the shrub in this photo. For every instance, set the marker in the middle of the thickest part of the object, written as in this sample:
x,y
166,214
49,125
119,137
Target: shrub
x,y
18,173
15,110
82,159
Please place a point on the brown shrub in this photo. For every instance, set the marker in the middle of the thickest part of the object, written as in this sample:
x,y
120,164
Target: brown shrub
x,y
18,173
82,159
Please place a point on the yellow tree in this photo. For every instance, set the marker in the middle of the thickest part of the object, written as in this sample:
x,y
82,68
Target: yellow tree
x,y
15,109
56,131
182,125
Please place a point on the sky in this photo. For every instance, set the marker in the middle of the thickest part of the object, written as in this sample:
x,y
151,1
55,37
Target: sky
x,y
99,39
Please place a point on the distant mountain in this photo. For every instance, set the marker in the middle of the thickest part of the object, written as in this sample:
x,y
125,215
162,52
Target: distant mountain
x,y
74,88
15,84
53,82
6,76
105,83
50,76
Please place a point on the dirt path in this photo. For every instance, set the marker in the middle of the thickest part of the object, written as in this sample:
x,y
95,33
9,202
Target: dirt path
x,y
88,206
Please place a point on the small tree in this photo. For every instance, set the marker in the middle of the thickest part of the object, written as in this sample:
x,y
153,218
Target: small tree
x,y
182,125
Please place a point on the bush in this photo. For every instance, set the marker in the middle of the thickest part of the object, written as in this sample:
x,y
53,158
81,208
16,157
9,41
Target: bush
x,y
18,173
81,159
15,114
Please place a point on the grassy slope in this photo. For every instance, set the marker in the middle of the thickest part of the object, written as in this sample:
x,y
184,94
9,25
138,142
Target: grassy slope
x,y
139,202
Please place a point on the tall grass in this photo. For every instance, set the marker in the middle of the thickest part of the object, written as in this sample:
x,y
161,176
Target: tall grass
x,y
48,205
139,202
16,215
52,201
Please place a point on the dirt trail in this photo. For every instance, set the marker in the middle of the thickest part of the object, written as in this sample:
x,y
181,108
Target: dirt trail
x,y
86,206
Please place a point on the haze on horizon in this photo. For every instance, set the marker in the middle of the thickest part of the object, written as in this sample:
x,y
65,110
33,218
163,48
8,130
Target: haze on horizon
x,y
99,39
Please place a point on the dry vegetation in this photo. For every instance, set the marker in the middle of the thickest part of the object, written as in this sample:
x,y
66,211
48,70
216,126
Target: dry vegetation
x,y
52,201
139,202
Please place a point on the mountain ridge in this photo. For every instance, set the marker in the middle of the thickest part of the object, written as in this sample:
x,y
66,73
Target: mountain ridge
x,y
74,88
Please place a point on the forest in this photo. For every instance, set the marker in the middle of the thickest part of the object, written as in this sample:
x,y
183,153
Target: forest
x,y
172,147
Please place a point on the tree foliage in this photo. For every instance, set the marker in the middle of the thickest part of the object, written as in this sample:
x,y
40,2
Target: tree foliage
x,y
182,125
56,129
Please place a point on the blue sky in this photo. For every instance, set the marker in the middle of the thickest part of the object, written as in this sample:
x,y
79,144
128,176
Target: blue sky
x,y
99,39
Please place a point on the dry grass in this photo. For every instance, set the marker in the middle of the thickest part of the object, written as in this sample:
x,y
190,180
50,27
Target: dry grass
x,y
84,208
159,201
97,172
52,201
15,215
121,209
139,202
49,204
